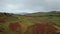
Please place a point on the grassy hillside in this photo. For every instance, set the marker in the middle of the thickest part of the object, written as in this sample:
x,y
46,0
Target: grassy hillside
x,y
27,20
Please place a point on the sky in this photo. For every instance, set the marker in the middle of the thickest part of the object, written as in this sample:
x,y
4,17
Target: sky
x,y
29,6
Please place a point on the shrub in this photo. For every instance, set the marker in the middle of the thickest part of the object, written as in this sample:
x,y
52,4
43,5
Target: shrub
x,y
14,26
40,29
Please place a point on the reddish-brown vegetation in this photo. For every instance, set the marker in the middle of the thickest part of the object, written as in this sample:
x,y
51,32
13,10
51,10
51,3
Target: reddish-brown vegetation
x,y
39,20
14,26
40,29
3,20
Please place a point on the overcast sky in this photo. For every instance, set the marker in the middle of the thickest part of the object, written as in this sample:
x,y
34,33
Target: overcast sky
x,y
28,6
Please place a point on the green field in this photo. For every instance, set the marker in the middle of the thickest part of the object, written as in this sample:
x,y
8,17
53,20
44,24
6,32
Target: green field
x,y
28,20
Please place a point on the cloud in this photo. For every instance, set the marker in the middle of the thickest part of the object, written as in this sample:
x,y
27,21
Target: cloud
x,y
52,5
29,6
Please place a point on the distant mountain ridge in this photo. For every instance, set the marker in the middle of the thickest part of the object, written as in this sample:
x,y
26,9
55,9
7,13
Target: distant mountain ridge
x,y
37,13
